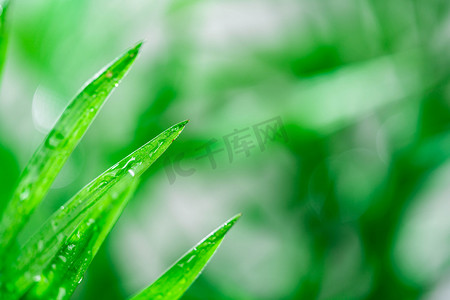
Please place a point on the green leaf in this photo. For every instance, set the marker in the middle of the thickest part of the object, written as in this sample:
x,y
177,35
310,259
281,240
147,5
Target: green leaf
x,y
4,5
66,270
177,279
44,245
51,155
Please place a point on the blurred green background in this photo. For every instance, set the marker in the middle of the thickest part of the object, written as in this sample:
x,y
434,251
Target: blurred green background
x,y
326,123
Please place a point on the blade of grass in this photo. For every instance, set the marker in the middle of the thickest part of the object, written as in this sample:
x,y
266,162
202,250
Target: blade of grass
x,y
63,274
51,155
4,5
43,246
177,279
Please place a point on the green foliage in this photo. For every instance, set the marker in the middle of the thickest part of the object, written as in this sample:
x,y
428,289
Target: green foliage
x,y
66,268
177,279
4,5
51,155
352,206
51,264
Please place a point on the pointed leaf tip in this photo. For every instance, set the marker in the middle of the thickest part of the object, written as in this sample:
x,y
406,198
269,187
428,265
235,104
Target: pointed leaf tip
x,y
177,279
178,128
48,159
228,224
65,221
137,48
182,124
223,229
234,219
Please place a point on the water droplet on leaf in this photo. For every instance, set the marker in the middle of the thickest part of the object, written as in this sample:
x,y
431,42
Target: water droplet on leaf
x,y
54,139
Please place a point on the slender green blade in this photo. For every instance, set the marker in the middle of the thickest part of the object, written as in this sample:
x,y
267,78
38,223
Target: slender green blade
x,y
66,270
4,4
43,246
51,155
177,279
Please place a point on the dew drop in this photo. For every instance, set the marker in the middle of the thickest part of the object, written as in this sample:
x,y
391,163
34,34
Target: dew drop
x,y
61,293
63,258
60,237
54,224
37,278
25,193
103,183
129,162
54,139
40,245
